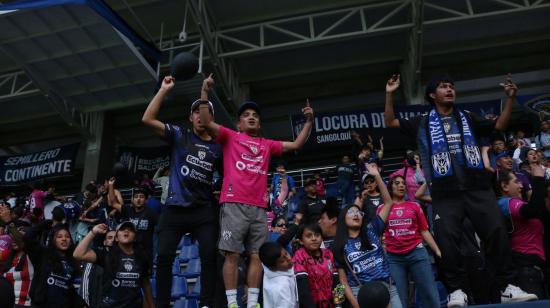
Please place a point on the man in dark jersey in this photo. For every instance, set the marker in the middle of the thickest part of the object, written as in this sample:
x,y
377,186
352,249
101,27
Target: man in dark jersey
x,y
448,143
311,205
189,205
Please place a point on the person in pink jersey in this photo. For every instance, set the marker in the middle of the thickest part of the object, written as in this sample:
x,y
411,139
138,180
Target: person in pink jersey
x,y
405,231
37,201
244,193
525,226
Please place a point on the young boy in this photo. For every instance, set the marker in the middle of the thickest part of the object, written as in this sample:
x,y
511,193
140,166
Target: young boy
x,y
279,282
244,194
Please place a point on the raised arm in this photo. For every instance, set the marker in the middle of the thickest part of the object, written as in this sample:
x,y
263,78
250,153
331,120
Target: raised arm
x,y
486,160
211,127
389,115
302,137
150,116
536,205
82,252
381,151
388,202
158,174
112,199
511,90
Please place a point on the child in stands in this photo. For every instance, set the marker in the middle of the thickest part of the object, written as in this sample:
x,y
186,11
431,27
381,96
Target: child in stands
x,y
316,275
279,284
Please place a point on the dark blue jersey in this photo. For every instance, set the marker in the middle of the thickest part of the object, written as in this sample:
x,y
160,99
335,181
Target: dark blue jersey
x,y
192,165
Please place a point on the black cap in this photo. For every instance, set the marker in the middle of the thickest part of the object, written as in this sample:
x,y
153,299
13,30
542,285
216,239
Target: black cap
x,y
248,105
366,176
126,225
197,103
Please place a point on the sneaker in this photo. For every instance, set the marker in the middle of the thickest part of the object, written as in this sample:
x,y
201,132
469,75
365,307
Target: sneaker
x,y
513,294
233,306
457,299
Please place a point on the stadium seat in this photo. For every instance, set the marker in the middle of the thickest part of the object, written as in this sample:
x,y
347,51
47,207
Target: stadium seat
x,y
185,241
195,290
154,287
188,252
186,303
331,190
176,267
179,287
193,269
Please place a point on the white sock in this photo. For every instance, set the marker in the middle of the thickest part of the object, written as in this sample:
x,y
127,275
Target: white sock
x,y
231,296
252,299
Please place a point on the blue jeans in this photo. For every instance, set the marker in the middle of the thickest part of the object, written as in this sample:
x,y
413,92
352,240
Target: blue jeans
x,y
417,263
346,191
394,296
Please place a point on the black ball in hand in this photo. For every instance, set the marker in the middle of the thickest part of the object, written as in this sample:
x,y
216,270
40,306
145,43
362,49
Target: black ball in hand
x,y
184,66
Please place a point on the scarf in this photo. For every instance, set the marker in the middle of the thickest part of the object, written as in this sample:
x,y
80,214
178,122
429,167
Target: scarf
x,y
439,149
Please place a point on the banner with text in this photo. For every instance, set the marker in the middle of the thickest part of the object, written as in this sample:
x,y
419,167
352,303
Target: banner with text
x,y
333,129
144,160
54,162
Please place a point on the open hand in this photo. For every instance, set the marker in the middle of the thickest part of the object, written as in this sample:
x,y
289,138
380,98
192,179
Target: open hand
x,y
393,83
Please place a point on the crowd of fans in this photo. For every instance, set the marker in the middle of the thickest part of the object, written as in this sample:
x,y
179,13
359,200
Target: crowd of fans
x,y
472,204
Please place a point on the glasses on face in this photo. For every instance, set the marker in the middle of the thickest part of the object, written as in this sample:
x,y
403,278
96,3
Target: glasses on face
x,y
281,225
355,212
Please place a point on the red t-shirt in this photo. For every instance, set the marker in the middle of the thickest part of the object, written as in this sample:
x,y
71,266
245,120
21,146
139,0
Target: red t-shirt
x,y
320,187
319,272
245,166
405,222
528,235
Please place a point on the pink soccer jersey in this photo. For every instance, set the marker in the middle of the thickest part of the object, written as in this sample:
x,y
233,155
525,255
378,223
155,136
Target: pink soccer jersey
x,y
405,222
245,166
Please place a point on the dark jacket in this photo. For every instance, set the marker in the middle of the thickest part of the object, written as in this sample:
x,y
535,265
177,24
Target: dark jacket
x,y
41,258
